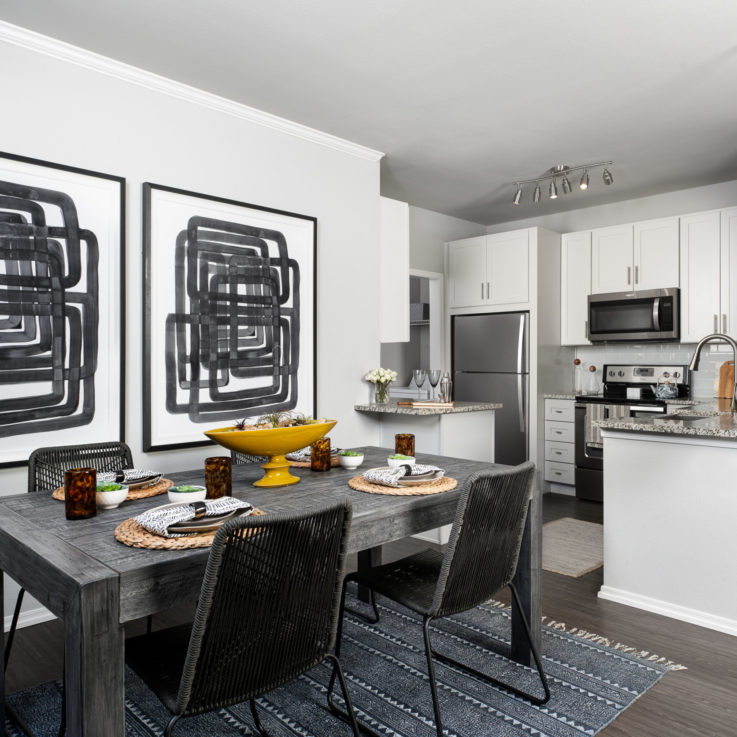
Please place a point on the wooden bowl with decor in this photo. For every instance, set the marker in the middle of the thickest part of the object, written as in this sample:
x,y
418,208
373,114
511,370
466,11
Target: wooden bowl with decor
x,y
272,436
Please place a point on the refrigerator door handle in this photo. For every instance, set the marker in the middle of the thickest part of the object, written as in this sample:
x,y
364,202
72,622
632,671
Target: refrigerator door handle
x,y
521,403
521,344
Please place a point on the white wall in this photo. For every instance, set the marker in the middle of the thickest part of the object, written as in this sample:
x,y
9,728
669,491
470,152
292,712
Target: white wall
x,y
680,202
79,116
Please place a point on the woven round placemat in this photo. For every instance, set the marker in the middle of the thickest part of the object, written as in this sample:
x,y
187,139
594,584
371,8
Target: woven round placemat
x,y
130,533
445,484
306,464
133,494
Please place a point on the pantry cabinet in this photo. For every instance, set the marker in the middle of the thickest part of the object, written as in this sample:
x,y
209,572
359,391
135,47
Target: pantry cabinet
x,y
489,270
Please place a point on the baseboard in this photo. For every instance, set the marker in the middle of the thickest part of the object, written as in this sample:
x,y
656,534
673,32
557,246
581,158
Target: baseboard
x,y
30,617
667,609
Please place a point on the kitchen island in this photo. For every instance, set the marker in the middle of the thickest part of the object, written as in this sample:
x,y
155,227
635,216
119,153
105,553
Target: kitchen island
x,y
670,509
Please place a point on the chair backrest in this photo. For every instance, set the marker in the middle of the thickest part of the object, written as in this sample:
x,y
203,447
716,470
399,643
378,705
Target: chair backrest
x,y
268,608
46,466
484,543
237,457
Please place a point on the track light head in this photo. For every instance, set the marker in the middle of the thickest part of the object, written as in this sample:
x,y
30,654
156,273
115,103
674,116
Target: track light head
x,y
566,185
536,193
584,184
553,190
607,177
517,195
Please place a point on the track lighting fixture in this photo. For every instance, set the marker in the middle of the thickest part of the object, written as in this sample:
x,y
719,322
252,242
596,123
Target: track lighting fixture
x,y
561,173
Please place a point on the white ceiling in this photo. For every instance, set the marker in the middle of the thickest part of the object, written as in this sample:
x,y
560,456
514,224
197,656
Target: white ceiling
x,y
464,97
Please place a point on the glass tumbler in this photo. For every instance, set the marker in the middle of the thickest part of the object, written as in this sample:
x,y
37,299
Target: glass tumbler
x,y
80,493
218,476
404,444
320,455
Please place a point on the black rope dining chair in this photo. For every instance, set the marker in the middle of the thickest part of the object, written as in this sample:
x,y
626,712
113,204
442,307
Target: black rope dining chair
x,y
242,458
268,612
480,559
46,468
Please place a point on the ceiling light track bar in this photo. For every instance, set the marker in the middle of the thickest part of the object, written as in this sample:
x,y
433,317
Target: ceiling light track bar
x,y
561,170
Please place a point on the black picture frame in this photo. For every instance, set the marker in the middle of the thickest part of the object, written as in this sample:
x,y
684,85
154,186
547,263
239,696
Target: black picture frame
x,y
62,306
229,316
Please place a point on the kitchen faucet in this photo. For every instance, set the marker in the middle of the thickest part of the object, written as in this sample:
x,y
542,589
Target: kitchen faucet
x,y
713,338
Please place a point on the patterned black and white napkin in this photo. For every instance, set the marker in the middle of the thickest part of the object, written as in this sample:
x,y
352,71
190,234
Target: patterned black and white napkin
x,y
305,454
389,476
159,520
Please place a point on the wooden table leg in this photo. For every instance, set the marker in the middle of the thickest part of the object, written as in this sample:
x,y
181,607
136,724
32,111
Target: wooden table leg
x,y
367,559
2,664
528,582
94,673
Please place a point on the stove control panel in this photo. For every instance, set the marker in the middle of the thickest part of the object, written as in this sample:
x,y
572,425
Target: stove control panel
x,y
627,374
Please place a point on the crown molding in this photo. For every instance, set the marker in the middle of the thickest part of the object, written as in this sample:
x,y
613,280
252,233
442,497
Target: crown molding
x,y
63,51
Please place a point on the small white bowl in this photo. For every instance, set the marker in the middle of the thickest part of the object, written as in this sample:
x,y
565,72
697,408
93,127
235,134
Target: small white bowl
x,y
187,496
350,461
396,462
111,499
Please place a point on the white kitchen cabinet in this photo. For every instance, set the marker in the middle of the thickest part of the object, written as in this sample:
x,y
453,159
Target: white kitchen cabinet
x,y
701,276
634,257
575,287
729,271
611,259
467,272
489,270
394,271
656,254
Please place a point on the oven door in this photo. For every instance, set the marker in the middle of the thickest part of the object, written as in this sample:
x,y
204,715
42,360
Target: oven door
x,y
589,447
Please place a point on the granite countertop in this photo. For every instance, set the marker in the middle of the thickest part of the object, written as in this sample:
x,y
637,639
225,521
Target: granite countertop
x,y
391,408
715,420
562,395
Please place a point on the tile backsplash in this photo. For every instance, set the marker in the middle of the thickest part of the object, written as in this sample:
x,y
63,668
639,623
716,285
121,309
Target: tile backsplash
x,y
702,381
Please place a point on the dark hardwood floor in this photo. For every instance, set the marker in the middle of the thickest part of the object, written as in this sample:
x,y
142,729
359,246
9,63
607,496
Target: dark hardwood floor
x,y
698,702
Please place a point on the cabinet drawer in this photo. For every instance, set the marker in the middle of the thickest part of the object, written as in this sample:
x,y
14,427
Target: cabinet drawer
x,y
562,410
559,452
560,473
560,431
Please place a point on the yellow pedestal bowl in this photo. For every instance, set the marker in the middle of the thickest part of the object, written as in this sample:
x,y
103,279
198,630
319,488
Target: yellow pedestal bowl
x,y
275,443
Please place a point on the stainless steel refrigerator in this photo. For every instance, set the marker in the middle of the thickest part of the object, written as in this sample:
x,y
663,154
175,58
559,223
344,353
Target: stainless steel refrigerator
x,y
491,364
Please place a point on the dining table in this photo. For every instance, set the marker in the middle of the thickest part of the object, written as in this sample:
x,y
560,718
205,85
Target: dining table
x,y
95,584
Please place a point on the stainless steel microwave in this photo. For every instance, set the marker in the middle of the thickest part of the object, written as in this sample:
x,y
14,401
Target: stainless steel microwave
x,y
651,314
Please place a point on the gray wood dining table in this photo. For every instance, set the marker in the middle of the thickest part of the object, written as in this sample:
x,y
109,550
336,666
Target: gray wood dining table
x,y
95,584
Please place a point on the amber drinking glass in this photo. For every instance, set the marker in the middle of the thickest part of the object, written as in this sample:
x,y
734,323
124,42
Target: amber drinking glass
x,y
320,455
218,477
80,493
404,443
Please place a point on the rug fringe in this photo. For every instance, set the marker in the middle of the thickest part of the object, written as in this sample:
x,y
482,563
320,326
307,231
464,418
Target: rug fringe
x,y
600,640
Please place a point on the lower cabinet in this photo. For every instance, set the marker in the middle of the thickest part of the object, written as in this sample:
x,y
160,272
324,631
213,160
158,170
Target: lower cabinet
x,y
560,462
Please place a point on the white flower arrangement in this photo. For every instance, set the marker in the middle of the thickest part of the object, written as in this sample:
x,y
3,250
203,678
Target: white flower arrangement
x,y
381,376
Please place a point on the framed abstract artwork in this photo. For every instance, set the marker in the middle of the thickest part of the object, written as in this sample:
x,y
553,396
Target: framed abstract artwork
x,y
62,306
229,314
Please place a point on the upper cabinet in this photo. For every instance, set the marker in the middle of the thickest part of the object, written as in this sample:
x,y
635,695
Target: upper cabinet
x,y
708,274
627,258
575,286
394,275
489,270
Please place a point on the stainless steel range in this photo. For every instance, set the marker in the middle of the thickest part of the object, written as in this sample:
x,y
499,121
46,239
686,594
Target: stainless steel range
x,y
629,391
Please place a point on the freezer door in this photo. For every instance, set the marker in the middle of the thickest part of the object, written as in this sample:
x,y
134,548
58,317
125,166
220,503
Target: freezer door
x,y
511,425
491,343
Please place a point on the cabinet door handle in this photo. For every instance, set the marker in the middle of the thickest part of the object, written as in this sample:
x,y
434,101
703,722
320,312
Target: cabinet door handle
x,y
716,323
724,322
482,290
487,290
558,411
558,452
637,274
629,275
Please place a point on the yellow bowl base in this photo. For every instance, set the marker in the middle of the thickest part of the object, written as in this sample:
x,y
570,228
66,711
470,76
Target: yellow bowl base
x,y
277,473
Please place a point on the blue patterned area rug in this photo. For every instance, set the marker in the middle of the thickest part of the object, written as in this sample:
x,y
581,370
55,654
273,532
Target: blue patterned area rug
x,y
591,682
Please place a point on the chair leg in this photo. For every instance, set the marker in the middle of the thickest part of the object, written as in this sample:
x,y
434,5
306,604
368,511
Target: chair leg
x,y
149,623
257,721
488,679
338,642
350,714
13,625
366,617
431,675
170,726
63,723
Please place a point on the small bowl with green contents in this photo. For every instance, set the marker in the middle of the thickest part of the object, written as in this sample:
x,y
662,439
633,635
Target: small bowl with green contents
x,y
110,494
400,460
187,493
350,458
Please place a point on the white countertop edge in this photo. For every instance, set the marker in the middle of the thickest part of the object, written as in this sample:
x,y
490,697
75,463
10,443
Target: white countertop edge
x,y
668,437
